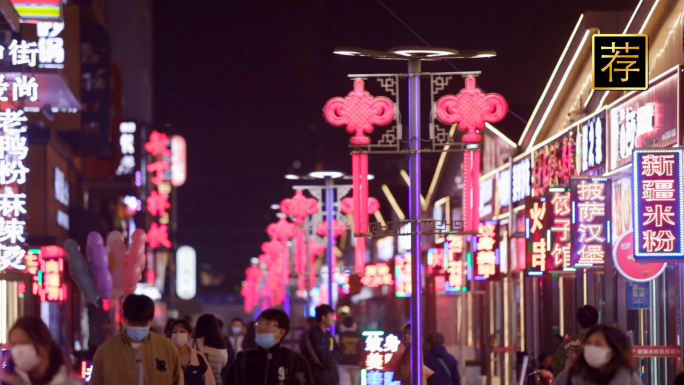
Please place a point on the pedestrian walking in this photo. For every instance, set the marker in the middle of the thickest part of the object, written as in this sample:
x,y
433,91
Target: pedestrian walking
x,y
270,363
231,353
320,349
35,357
136,356
587,317
349,367
605,358
209,340
237,334
196,369
400,363
441,362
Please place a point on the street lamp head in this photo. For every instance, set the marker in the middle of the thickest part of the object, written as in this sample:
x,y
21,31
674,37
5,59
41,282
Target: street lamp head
x,y
292,177
347,51
326,174
423,52
484,54
275,206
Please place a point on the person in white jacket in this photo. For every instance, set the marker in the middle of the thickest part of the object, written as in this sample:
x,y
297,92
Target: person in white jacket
x,y
209,340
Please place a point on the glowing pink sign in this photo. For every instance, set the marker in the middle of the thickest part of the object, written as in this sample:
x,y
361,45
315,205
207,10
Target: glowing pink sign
x,y
471,108
299,207
359,111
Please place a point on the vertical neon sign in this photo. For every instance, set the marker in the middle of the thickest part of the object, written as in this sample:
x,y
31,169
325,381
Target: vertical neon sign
x,y
658,189
590,227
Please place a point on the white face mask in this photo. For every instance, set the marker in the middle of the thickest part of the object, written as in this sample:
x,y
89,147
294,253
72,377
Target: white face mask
x,y
596,356
179,339
25,357
236,329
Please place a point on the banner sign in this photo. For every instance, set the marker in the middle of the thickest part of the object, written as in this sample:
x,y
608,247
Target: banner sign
x,y
658,189
645,119
656,351
591,144
538,235
558,199
554,163
486,247
591,215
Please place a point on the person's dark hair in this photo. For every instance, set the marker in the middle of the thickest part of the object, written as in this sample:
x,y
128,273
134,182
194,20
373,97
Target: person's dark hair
x,y
543,356
208,328
278,316
587,316
42,340
679,380
407,326
238,319
182,323
435,339
249,342
622,355
322,311
138,309
349,322
169,327
221,324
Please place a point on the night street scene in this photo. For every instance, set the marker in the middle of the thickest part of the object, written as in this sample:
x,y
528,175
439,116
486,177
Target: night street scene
x,y
360,192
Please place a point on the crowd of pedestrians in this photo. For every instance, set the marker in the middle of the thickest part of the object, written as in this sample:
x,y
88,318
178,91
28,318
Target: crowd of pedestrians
x,y
253,354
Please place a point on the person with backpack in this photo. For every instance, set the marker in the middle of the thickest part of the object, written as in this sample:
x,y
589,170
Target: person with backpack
x,y
441,362
349,367
196,370
587,317
320,349
270,363
605,358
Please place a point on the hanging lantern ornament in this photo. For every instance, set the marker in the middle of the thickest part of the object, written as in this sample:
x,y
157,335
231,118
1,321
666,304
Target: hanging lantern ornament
x,y
470,109
315,250
359,111
298,207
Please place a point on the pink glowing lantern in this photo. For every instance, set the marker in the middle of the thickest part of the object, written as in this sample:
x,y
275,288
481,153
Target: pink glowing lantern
x,y
282,230
250,288
299,207
315,250
470,109
338,228
359,111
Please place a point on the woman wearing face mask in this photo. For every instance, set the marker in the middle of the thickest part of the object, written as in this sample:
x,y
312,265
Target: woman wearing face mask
x,y
605,359
37,358
209,340
196,370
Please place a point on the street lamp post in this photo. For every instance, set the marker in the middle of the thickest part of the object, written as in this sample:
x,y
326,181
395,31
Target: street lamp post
x,y
414,55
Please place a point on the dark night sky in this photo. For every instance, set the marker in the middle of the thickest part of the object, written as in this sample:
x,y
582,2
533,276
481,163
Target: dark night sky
x,y
245,82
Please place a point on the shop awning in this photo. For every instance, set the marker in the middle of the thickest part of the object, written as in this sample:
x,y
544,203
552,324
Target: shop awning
x,y
54,92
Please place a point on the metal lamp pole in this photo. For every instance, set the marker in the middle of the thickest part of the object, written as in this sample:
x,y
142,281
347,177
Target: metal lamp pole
x,y
414,55
414,215
329,250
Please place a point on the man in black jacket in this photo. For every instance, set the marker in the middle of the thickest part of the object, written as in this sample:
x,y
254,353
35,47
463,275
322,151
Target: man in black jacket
x,y
270,363
321,350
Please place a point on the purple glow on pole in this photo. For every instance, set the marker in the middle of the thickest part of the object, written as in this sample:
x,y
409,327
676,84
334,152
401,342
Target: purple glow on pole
x,y
414,214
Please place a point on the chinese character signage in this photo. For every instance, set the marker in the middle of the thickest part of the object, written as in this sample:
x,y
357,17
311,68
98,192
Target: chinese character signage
x,y
554,163
591,144
486,251
591,215
456,268
521,180
503,186
645,119
558,199
377,275
487,197
46,266
538,235
402,275
158,200
127,145
619,62
379,349
658,186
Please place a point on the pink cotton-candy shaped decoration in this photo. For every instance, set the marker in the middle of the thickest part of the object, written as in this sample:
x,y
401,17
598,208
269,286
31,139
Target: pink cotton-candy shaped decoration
x,y
299,207
471,108
359,111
